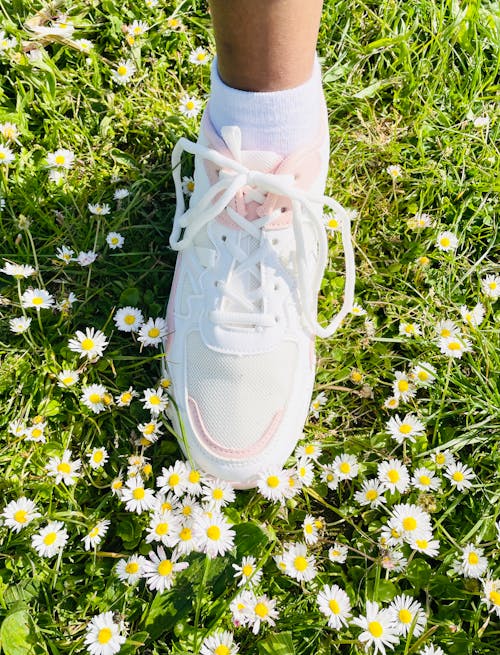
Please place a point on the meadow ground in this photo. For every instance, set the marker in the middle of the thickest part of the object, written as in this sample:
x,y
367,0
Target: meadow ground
x,y
389,535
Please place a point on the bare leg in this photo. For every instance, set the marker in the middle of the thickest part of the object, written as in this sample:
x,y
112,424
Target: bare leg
x,y
265,45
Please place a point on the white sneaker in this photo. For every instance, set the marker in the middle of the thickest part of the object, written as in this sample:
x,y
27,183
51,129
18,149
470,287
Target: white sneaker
x,y
242,311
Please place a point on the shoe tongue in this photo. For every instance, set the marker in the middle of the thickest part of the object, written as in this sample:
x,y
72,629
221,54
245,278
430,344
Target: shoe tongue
x,y
264,161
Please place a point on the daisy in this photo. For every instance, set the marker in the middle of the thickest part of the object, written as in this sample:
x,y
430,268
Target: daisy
x,y
338,553
99,209
19,513
261,609
310,450
130,570
317,403
218,493
17,428
188,508
491,591
409,329
155,401
446,241
247,572
114,240
6,155
174,23
460,475
160,570
403,388
152,332
471,562
103,635
405,429
61,158
394,475
393,560
371,493
391,403
172,478
93,397
128,319
90,344
194,478
36,432
137,498
428,547
394,171
19,325
346,466
190,106
379,629
329,476
473,317
64,469
408,616
304,472
138,28
86,258
431,650
96,535
9,131
424,374
117,487
65,304
186,540
124,398
334,603
65,254
356,376
491,286
163,527
425,480
299,564
357,310
311,528
50,540
37,299
84,45
98,457
447,328
420,220
187,186
332,222
273,484
443,458
199,57
481,121
214,534
219,643
124,71
17,271
151,431
67,378
411,521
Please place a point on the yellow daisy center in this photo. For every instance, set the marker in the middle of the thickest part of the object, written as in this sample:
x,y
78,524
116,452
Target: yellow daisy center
x,y
375,628
60,159
425,480
126,397
132,567
149,428
36,432
308,528
68,379
423,376
405,428
222,650
138,493
217,494
405,616
393,475
95,398
309,449
21,516
440,458
165,507
422,543
333,223
129,318
174,480
166,567
37,300
454,345
371,494
185,534
261,610
87,344
154,332
213,532
94,532
445,242
495,597
247,570
122,70
49,538
189,105
64,467
300,563
194,477
334,606
273,481
409,523
201,56
345,467
403,385
458,476
104,635
473,558
161,528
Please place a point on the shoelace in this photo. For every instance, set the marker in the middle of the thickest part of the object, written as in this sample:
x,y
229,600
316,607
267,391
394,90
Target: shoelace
x,y
208,208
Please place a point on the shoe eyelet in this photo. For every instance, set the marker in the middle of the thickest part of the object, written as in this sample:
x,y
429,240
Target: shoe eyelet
x,y
223,237
276,286
283,210
275,242
276,319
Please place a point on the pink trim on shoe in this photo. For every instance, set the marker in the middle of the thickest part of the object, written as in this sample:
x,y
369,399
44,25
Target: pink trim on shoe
x,y
230,453
171,309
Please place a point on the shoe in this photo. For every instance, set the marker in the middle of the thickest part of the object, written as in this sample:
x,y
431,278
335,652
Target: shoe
x,y
241,317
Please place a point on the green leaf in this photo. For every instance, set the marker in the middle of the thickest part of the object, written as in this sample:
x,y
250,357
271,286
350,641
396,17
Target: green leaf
x,y
386,590
249,538
419,573
16,633
130,297
280,644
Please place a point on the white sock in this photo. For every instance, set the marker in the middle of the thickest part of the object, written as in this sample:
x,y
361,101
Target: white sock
x,y
281,121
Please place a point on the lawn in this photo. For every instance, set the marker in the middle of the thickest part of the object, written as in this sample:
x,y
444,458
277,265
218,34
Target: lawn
x,y
385,533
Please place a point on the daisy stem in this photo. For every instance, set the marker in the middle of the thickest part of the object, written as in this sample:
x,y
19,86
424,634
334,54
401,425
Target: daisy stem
x,y
39,319
199,600
18,280
443,398
97,230
35,258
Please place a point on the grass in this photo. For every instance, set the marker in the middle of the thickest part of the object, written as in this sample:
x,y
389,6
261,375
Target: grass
x,y
405,84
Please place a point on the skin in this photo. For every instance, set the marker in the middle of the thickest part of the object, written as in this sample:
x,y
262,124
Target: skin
x,y
265,45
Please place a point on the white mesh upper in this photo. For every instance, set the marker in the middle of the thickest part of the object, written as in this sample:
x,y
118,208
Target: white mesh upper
x,y
239,395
